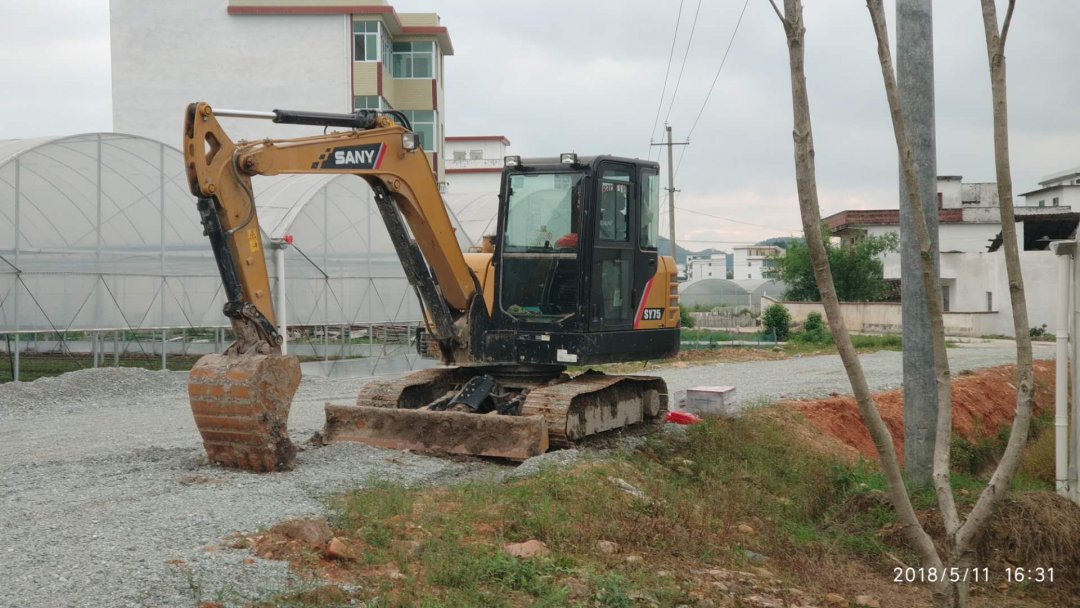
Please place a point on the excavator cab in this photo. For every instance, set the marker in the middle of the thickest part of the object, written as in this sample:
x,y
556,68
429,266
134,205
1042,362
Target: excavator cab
x,y
578,276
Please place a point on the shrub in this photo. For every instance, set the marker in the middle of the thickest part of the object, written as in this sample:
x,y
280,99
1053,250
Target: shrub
x,y
685,320
777,321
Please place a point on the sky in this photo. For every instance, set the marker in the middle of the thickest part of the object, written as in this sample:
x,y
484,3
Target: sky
x,y
589,76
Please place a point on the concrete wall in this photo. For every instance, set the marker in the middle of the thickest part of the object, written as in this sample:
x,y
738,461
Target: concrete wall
x,y
167,54
885,317
969,278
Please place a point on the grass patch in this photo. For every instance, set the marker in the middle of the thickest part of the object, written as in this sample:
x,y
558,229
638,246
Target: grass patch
x,y
811,514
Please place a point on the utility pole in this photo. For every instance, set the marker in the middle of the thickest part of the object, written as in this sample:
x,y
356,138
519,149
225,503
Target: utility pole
x,y
671,186
915,79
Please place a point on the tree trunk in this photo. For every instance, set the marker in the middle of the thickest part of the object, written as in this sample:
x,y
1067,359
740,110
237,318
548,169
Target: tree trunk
x,y
806,182
1025,385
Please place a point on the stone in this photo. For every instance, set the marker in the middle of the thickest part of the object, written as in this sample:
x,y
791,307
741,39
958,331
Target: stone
x,y
745,529
835,599
408,548
607,547
763,601
528,549
634,559
575,588
754,556
314,533
721,587
338,548
867,601
762,572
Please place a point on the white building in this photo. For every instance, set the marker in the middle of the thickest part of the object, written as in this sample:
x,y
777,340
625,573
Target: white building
x,y
707,266
473,170
1060,189
973,276
316,55
751,261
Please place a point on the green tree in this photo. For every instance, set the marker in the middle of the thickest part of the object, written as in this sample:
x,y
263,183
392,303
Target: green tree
x,y
856,270
776,321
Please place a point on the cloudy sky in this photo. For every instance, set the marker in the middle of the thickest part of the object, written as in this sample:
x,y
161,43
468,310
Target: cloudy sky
x,y
560,75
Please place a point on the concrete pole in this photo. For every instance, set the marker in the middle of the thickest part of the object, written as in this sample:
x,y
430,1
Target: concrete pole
x,y
1064,251
279,268
1072,472
18,276
915,79
671,193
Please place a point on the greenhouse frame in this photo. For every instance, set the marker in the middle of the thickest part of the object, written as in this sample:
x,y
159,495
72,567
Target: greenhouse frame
x,y
102,254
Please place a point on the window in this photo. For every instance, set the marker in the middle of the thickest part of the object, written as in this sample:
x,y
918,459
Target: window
x,y
366,102
989,301
749,276
614,198
365,40
650,211
476,154
459,155
1055,201
423,122
414,60
1042,203
539,246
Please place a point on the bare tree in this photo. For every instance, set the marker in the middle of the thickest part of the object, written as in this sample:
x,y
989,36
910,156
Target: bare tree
x,y
806,185
951,587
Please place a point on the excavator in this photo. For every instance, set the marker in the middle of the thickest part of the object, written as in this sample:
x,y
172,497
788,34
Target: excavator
x,y
571,277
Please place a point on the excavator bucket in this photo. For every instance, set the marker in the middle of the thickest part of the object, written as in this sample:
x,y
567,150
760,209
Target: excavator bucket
x,y
241,406
510,437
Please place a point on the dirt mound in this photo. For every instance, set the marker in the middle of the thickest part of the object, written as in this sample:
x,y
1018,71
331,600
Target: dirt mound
x,y
983,404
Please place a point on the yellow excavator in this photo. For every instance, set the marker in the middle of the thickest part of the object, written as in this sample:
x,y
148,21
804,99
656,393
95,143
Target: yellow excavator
x,y
572,276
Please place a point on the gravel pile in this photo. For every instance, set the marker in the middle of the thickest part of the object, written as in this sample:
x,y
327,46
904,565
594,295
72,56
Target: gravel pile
x,y
87,387
106,498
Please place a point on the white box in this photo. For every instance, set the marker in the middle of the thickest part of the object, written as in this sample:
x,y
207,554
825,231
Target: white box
x,y
711,400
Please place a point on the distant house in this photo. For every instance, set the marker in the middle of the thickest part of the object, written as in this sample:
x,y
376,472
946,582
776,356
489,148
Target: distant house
x,y
706,266
973,277
474,166
753,261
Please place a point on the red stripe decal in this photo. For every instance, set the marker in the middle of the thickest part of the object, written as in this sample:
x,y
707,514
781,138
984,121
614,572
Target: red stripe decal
x,y
382,153
641,305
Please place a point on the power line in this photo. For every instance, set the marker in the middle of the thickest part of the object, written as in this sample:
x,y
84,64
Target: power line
x,y
723,60
682,68
667,74
728,219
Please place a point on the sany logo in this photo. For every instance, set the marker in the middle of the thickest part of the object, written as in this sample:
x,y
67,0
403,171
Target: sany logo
x,y
354,157
365,156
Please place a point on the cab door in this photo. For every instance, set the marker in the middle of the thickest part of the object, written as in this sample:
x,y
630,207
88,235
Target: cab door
x,y
615,245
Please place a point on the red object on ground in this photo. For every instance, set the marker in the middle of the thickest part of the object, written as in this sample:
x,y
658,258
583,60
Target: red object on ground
x,y
568,241
681,418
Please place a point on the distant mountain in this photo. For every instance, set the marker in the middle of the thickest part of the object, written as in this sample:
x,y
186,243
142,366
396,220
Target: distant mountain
x,y
682,252
780,241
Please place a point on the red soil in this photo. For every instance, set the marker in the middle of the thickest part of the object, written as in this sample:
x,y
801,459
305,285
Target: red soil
x,y
983,404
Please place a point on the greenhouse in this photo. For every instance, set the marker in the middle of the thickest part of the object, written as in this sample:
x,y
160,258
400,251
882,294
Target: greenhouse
x,y
102,257
708,294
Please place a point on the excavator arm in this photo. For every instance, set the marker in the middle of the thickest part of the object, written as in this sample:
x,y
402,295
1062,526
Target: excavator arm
x,y
375,148
241,399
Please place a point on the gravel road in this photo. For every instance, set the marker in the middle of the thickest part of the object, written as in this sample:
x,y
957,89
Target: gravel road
x,y
106,498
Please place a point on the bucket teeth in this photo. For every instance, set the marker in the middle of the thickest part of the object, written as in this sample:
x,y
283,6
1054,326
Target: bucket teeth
x,y
241,407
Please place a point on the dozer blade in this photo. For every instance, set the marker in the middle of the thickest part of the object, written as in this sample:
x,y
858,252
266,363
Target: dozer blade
x,y
241,406
511,437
